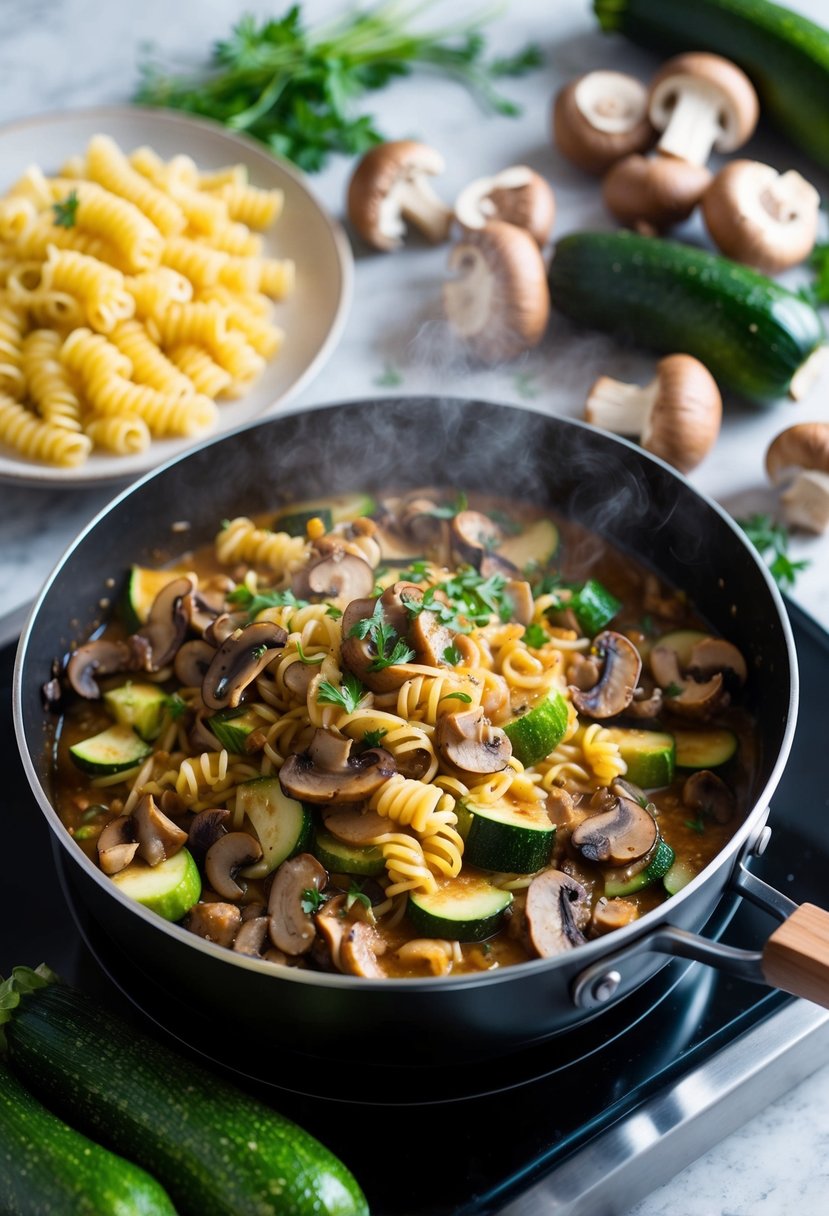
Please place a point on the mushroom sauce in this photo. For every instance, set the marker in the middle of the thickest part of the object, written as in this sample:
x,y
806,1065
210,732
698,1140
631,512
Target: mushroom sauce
x,y
402,737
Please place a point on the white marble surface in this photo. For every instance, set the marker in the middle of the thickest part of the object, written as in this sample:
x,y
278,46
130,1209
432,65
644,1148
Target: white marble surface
x,y
69,53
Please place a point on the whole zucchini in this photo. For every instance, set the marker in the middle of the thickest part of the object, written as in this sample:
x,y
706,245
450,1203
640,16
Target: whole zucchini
x,y
785,55
46,1166
752,334
217,1151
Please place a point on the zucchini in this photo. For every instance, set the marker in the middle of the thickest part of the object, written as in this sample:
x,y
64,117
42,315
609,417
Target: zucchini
x,y
785,54
532,549
143,585
46,1166
462,909
169,889
650,755
752,334
138,705
336,509
659,865
594,606
233,726
679,875
282,825
114,750
340,858
217,1150
539,731
704,748
507,837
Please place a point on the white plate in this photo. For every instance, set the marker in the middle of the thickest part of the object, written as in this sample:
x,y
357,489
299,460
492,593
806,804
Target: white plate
x,y
312,318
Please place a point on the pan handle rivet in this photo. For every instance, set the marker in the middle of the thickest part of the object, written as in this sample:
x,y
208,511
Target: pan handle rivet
x,y
762,842
604,986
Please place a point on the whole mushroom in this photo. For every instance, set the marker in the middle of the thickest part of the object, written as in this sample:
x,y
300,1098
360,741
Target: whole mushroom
x,y
676,416
760,217
517,195
797,462
653,193
390,188
498,302
600,117
701,103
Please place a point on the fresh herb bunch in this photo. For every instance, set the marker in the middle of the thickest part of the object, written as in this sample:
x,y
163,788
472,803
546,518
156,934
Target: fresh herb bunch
x,y
771,540
819,289
294,88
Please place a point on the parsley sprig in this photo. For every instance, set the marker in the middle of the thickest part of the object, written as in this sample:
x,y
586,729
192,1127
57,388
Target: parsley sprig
x,y
389,646
465,600
348,696
771,540
66,210
253,603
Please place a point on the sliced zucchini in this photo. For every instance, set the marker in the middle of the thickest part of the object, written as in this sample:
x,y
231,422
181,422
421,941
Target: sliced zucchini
x,y
679,875
462,909
508,837
282,825
659,865
338,509
537,732
143,585
648,754
138,705
114,750
534,548
341,858
594,607
233,726
169,889
704,748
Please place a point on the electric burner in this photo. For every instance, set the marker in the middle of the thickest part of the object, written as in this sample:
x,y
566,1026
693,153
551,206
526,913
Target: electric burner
x,y
584,1124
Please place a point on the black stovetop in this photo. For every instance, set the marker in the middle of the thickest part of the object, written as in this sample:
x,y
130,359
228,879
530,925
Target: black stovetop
x,y
488,1131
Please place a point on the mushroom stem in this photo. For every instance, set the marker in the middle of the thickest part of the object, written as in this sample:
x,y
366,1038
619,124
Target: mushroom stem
x,y
624,409
694,125
806,501
414,201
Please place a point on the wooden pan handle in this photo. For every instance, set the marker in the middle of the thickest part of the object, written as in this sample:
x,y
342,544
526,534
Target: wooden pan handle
x,y
796,956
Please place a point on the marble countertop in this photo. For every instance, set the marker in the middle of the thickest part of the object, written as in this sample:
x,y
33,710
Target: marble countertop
x,y
57,54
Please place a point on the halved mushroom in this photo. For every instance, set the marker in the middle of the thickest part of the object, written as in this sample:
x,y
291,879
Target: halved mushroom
x,y
192,662
556,912
711,655
169,619
216,922
358,951
676,416
600,117
327,772
298,676
239,661
611,914
224,860
621,667
763,218
468,740
158,837
251,936
707,794
653,193
390,189
797,462
334,574
701,103
205,828
499,302
517,195
689,697
619,836
472,535
291,924
117,845
99,658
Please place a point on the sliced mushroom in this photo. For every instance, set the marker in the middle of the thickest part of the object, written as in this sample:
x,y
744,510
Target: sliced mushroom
x,y
333,575
390,188
192,661
430,639
216,922
224,860
222,626
419,521
611,914
239,661
646,705
206,605
600,117
468,740
517,195
716,654
168,622
356,826
298,676
676,416
99,658
621,667
619,836
499,302
688,697
291,926
358,951
206,827
653,193
472,535
707,794
797,463
519,595
760,217
312,777
359,654
117,845
252,935
556,912
158,837
331,923
701,103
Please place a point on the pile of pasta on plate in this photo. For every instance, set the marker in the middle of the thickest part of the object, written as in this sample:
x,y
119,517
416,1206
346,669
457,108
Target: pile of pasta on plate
x,y
134,296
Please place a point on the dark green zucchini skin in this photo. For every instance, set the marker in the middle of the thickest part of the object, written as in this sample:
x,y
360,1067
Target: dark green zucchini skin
x,y
785,55
751,333
49,1169
217,1151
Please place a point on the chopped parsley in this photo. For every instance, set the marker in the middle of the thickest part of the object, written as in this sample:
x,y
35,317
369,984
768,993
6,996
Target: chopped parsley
x,y
673,690
696,825
253,603
450,511
771,540
390,377
390,649
348,695
312,900
372,737
175,706
452,656
465,600
334,612
536,636
259,652
66,210
356,896
457,696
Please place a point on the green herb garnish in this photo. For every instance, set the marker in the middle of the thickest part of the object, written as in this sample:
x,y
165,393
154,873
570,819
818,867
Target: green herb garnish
x,y
696,825
372,738
348,695
311,901
334,612
451,510
175,706
536,636
457,696
311,660
390,649
356,896
452,656
255,602
66,210
771,540
673,690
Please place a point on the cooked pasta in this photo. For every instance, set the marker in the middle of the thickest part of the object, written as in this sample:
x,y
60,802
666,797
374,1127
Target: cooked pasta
x,y
163,259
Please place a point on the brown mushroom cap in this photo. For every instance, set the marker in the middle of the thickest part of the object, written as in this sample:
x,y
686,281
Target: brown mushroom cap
x,y
611,914
688,697
291,928
498,303
192,662
472,534
621,667
216,922
621,835
653,193
716,654
226,858
322,774
557,910
676,417
707,794
251,936
701,102
467,740
797,460
158,837
517,195
204,830
389,188
117,845
760,217
239,661
334,574
600,117
99,658
167,624
359,653
358,951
